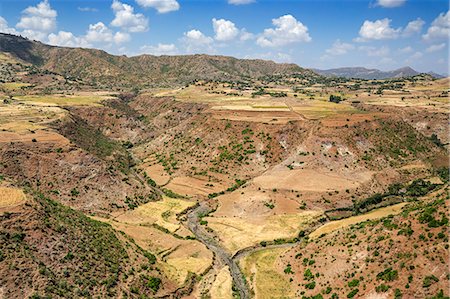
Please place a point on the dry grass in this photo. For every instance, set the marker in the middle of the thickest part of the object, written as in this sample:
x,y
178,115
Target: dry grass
x,y
23,118
177,257
162,213
260,269
237,233
338,224
317,109
13,86
64,100
10,197
310,180
189,186
221,287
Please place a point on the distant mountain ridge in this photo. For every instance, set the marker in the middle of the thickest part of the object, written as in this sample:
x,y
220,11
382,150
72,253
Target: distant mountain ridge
x,y
97,66
364,73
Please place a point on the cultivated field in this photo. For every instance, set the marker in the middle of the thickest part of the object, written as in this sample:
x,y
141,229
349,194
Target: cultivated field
x,y
162,213
261,269
338,224
239,233
10,197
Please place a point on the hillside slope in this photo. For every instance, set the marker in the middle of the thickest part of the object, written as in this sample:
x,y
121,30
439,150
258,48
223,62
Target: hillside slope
x,y
364,73
97,67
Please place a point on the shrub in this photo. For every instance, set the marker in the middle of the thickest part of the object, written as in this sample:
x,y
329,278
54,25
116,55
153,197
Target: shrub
x,y
352,293
388,275
429,280
353,283
382,288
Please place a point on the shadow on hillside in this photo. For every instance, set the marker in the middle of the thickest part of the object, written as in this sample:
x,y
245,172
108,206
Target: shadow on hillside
x,y
19,47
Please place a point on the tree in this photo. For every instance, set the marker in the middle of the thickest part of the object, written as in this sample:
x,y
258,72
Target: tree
x,y
335,99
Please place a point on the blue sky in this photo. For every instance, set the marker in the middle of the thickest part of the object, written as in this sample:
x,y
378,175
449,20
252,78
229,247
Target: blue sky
x,y
385,34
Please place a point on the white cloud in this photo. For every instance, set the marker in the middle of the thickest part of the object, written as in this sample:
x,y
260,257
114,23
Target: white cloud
x,y
435,48
240,2
246,35
278,57
287,30
378,30
225,30
339,48
121,37
391,3
160,49
375,52
4,28
416,55
195,40
126,19
100,33
87,9
413,27
67,39
406,50
439,29
38,21
162,6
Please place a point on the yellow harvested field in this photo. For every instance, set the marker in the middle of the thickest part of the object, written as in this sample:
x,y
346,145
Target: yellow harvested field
x,y
10,197
63,100
39,136
162,213
23,118
274,117
310,180
222,285
338,224
263,107
199,94
260,269
11,86
238,233
157,173
318,109
189,186
178,257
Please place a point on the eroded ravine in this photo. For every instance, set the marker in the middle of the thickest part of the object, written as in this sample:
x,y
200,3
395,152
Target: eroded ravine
x,y
221,253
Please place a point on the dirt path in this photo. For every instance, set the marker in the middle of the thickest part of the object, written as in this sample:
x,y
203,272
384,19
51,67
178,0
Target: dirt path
x,y
221,253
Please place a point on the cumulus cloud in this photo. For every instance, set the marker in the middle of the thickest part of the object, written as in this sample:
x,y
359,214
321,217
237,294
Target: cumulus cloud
x,y
391,3
100,33
435,48
4,28
126,19
413,27
160,49
195,40
240,2
162,6
225,30
378,30
287,30
38,21
439,29
67,39
339,48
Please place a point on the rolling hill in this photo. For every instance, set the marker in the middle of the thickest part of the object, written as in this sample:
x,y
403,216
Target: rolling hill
x,y
97,67
364,73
